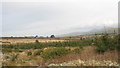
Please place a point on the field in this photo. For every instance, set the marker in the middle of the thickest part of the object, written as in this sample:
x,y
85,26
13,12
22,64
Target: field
x,y
22,41
95,51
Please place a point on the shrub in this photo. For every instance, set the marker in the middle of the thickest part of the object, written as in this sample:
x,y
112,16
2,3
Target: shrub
x,y
77,50
105,43
11,50
36,41
53,53
14,57
52,36
101,49
17,50
38,52
101,44
7,57
29,53
37,45
6,50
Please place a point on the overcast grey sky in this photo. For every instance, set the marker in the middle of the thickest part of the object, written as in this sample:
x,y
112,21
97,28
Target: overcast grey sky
x,y
46,17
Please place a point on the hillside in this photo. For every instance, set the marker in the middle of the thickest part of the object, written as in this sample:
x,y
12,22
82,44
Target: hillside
x,y
92,32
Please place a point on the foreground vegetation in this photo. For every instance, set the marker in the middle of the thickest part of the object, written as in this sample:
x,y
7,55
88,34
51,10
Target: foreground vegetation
x,y
102,43
106,42
52,50
38,45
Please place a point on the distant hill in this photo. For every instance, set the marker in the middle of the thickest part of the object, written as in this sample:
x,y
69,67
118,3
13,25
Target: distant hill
x,y
111,30
92,32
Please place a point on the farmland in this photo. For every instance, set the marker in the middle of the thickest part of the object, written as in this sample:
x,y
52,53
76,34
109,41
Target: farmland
x,y
23,41
61,52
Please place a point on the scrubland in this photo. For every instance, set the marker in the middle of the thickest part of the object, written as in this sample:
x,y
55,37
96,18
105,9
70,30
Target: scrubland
x,y
98,51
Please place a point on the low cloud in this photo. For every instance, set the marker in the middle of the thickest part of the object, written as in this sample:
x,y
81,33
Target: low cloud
x,y
54,17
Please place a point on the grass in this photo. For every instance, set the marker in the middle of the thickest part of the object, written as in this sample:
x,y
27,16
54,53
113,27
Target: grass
x,y
39,45
8,50
14,57
102,44
53,53
77,50
59,49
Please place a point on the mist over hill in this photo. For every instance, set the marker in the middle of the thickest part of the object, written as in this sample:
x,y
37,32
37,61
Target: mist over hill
x,y
92,32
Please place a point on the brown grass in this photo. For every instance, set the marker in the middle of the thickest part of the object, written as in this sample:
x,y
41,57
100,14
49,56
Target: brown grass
x,y
88,53
22,41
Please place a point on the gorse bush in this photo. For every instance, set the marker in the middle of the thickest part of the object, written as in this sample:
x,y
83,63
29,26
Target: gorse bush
x,y
11,50
36,41
50,44
29,53
118,46
105,43
6,50
38,52
53,53
77,50
17,50
102,44
14,57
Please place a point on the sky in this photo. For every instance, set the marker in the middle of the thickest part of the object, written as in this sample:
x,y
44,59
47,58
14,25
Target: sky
x,y
47,17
